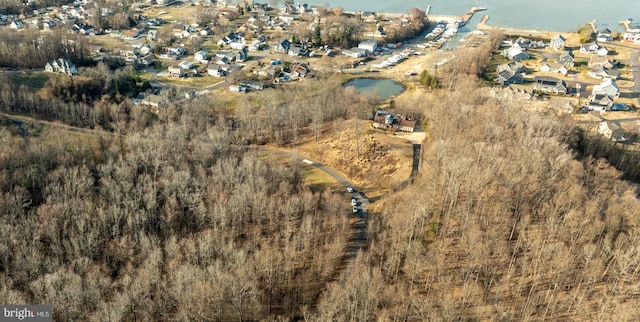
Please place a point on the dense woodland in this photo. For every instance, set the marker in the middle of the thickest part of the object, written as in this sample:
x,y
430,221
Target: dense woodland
x,y
31,49
516,214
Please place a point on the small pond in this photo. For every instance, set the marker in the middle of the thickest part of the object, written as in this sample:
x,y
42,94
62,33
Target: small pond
x,y
385,88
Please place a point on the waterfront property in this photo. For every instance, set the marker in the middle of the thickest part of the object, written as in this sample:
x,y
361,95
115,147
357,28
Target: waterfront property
x,y
557,42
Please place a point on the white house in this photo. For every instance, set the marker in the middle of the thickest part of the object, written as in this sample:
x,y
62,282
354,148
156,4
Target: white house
x,y
604,35
60,65
186,64
516,53
17,24
200,56
554,68
608,87
589,48
370,45
557,42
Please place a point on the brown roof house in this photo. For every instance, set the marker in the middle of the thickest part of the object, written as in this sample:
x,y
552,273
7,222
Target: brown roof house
x,y
393,123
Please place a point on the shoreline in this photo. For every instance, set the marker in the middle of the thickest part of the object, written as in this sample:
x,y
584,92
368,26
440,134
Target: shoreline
x,y
535,33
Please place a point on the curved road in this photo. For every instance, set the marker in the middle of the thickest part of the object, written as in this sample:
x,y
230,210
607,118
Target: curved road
x,y
359,238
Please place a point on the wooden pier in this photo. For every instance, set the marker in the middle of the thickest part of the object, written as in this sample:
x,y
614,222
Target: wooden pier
x,y
594,28
469,14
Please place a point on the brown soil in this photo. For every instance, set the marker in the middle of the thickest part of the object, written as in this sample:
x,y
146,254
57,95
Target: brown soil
x,y
376,159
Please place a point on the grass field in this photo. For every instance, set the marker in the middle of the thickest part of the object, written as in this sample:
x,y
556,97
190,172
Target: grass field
x,y
31,80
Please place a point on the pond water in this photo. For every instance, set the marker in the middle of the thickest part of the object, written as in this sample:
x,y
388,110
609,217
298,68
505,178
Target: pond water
x,y
385,88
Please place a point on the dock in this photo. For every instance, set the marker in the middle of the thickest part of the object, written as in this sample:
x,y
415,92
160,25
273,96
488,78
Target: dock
x,y
594,28
470,14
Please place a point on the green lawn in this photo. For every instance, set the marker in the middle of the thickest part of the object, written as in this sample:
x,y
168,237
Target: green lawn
x,y
34,80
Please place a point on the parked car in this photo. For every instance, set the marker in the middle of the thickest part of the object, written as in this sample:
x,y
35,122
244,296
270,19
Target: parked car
x,y
354,202
355,209
349,189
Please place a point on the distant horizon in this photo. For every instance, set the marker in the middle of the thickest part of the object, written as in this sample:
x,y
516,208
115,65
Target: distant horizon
x,y
521,14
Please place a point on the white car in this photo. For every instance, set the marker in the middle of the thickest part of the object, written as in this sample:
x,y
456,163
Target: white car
x,y
354,202
355,209
349,189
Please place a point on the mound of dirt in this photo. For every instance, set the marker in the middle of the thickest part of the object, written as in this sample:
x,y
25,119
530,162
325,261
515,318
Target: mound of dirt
x,y
363,158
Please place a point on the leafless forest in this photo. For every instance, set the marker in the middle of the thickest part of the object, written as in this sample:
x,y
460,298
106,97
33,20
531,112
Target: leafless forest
x,y
515,216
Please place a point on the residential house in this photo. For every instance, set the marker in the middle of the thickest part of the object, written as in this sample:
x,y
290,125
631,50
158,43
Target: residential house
x,y
595,61
600,102
152,35
175,71
186,64
604,35
147,60
225,57
283,46
132,33
511,73
515,53
61,65
593,48
611,130
368,16
288,19
602,72
554,68
269,71
369,45
589,48
566,58
216,70
507,77
255,45
549,85
513,66
390,122
201,56
153,101
238,45
632,33
608,87
296,51
302,8
242,55
147,49
299,70
17,24
557,42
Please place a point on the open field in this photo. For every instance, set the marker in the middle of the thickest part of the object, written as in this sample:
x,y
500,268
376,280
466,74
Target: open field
x,y
174,12
35,80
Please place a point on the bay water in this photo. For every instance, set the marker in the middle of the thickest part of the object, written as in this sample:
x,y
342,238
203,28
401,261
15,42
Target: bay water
x,y
554,15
